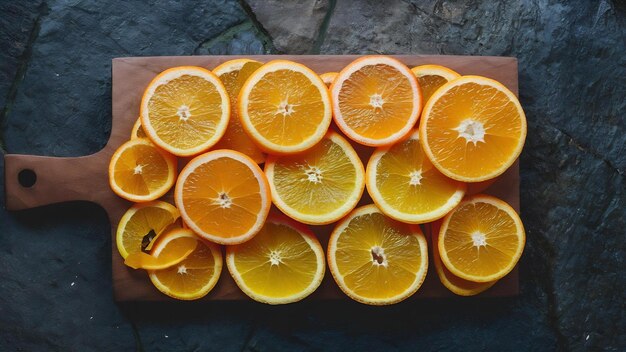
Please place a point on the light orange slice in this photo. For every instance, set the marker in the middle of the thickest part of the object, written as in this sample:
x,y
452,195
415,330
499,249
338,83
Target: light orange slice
x,y
318,186
453,283
285,107
431,77
375,259
185,110
139,220
233,74
473,129
376,100
407,187
482,239
284,263
329,77
175,252
137,131
195,276
223,196
141,172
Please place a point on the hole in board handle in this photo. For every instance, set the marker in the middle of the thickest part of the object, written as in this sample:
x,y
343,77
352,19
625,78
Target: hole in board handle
x,y
27,178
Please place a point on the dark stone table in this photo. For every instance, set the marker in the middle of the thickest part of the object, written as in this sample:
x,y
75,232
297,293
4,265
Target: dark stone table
x,y
55,84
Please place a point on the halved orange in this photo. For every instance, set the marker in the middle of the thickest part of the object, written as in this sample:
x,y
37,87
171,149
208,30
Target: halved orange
x,y
431,77
141,172
473,128
139,221
137,131
233,74
318,186
329,77
376,100
223,196
482,239
375,259
282,264
407,187
454,283
285,107
193,277
174,252
185,110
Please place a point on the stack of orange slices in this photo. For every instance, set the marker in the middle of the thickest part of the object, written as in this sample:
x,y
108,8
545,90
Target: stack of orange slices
x,y
436,139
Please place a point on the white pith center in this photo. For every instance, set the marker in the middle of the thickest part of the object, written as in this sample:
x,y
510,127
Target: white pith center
x,y
313,174
275,258
183,113
479,239
376,101
223,200
416,178
182,269
378,256
285,109
472,130
138,169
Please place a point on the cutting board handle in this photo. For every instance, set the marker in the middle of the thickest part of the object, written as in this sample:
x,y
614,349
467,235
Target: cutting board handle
x,y
32,181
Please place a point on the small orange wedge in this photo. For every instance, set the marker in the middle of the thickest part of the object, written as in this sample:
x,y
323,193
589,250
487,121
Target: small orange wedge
x,y
141,172
233,74
376,100
431,77
329,77
174,252
223,196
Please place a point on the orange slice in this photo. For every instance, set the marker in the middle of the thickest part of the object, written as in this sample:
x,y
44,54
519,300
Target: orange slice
x,y
137,131
453,283
223,196
329,77
139,220
473,129
193,277
407,187
285,107
318,186
284,263
185,110
376,100
233,74
482,239
431,77
377,260
175,252
141,172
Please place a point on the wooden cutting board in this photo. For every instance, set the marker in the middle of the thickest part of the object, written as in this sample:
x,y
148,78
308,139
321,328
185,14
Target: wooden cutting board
x,y
85,178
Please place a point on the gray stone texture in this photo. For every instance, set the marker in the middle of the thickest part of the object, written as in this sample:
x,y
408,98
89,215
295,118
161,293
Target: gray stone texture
x,y
294,25
55,280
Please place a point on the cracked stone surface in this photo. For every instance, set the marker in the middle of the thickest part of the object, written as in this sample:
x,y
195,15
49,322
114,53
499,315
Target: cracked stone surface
x,y
55,281
294,26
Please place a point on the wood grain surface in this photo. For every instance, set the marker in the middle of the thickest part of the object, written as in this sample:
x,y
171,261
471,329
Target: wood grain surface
x,y
85,178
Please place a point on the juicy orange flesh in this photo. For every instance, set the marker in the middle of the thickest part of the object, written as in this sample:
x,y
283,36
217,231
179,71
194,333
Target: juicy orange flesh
x,y
500,236
364,118
174,252
355,261
285,107
192,274
429,84
295,263
319,181
214,184
235,138
454,280
141,223
187,97
486,105
401,191
152,166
